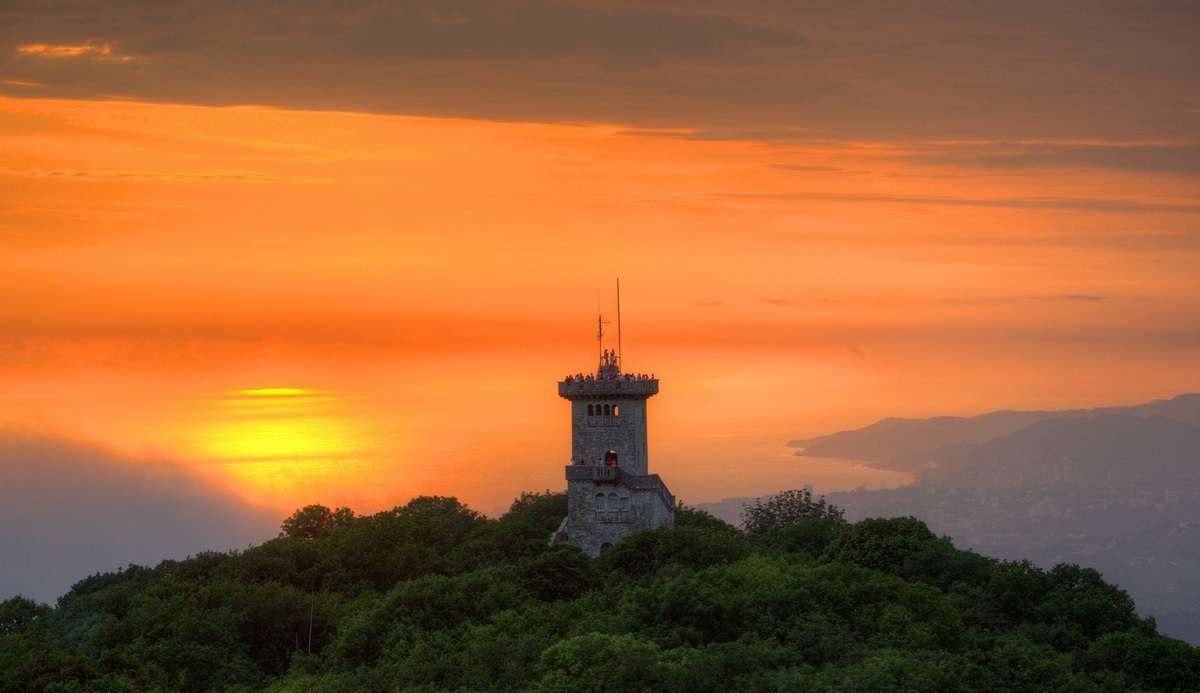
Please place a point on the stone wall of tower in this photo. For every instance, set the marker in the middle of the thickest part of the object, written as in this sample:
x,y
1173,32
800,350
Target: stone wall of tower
x,y
593,530
592,436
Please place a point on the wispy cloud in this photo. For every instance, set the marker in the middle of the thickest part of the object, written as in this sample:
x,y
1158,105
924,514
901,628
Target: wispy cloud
x,y
167,176
1125,240
1166,157
88,49
65,51
73,212
775,135
1048,203
806,168
1051,298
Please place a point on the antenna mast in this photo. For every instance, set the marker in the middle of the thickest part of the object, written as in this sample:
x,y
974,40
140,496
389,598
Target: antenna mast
x,y
619,364
599,328
600,336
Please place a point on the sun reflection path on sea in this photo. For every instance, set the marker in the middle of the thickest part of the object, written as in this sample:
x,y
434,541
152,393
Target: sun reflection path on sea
x,y
279,444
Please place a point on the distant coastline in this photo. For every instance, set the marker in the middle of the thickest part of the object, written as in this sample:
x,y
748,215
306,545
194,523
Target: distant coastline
x,y
877,463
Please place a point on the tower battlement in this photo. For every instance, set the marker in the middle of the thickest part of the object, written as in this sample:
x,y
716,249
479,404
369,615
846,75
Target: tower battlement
x,y
575,387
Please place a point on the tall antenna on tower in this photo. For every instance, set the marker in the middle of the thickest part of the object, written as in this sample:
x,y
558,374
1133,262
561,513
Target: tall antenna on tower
x,y
599,327
600,336
619,363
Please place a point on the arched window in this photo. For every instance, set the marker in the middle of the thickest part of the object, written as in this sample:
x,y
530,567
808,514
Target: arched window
x,y
589,410
607,410
600,502
616,410
614,503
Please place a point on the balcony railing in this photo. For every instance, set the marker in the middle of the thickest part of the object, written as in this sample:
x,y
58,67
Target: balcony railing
x,y
629,388
613,516
605,473
592,472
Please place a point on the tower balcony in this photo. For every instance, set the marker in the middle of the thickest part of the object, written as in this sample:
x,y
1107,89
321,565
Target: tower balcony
x,y
620,387
601,473
593,472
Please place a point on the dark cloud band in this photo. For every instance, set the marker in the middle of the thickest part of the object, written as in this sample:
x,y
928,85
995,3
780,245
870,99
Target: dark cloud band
x,y
999,70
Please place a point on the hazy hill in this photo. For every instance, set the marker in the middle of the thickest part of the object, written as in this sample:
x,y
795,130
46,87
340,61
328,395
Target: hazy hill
x,y
1107,449
902,443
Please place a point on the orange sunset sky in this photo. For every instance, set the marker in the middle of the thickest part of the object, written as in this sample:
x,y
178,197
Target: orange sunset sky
x,y
323,255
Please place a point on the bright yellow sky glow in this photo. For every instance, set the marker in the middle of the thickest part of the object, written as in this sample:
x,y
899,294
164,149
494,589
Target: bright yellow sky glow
x,y
274,391
276,442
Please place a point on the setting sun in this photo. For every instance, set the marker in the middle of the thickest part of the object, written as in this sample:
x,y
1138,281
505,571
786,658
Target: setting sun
x,y
278,444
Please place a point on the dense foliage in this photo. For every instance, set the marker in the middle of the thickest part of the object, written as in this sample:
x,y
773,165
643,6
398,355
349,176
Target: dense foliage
x,y
786,508
433,596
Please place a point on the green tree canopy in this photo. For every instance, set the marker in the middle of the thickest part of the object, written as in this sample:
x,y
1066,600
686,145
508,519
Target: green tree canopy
x,y
786,508
314,522
433,596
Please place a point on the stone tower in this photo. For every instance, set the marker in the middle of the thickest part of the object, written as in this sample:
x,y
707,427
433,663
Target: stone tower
x,y
610,494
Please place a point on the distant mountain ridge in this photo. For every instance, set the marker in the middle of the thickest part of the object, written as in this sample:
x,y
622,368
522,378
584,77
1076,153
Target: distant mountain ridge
x,y
1108,449
906,444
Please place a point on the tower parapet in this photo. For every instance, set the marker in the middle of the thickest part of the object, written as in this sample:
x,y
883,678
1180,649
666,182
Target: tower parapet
x,y
626,386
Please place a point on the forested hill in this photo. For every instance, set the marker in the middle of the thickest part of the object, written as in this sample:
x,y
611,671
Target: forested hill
x,y
433,596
